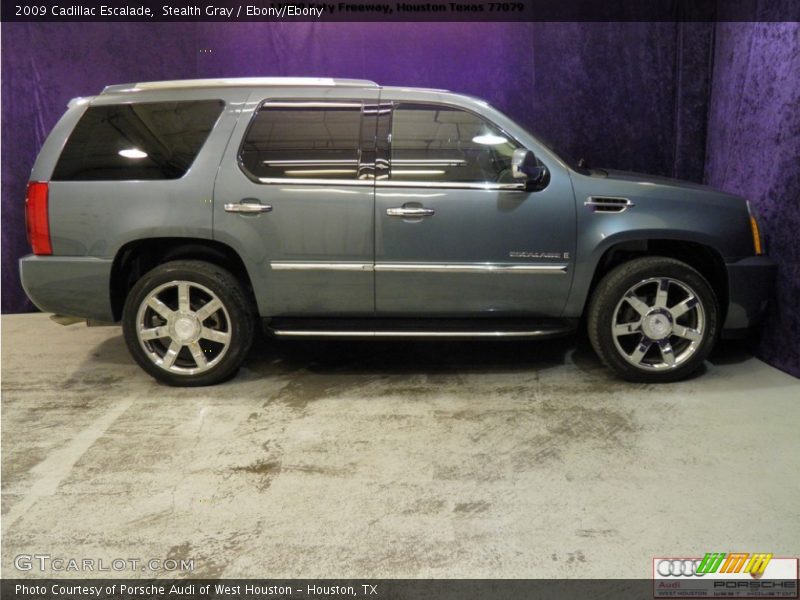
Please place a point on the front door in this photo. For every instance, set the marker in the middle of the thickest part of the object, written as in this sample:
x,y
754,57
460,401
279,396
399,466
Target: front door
x,y
295,198
456,234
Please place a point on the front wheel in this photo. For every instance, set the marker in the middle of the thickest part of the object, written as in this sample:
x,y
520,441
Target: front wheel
x,y
188,323
653,320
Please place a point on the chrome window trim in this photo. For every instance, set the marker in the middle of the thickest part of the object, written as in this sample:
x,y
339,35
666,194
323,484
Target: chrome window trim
x,y
311,181
278,103
453,185
301,163
389,267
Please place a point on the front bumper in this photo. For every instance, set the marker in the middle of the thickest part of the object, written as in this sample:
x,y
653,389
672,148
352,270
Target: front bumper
x,y
78,286
751,284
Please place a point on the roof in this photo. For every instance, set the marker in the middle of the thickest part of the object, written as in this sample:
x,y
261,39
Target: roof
x,y
239,82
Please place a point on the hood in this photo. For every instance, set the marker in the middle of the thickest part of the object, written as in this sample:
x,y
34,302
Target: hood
x,y
633,177
639,185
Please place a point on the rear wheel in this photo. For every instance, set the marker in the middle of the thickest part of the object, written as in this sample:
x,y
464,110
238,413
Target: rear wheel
x,y
188,323
653,319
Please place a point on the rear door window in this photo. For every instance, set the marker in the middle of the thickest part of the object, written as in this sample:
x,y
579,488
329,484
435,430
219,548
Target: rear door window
x,y
305,140
137,141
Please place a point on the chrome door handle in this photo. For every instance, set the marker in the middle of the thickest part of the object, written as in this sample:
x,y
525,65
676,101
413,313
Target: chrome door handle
x,y
249,208
410,212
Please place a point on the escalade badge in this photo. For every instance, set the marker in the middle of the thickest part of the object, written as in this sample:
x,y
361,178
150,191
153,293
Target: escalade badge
x,y
521,254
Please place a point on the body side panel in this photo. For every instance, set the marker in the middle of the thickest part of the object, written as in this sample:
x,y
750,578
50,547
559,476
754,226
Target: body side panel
x,y
75,286
662,211
96,218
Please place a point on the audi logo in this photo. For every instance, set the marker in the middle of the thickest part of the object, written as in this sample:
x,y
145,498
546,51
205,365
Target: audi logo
x,y
679,567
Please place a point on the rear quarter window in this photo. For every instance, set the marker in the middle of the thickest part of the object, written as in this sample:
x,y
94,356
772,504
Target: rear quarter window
x,y
138,141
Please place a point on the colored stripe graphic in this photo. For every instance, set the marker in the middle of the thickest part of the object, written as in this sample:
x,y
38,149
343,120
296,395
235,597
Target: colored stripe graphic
x,y
734,562
710,562
713,562
758,563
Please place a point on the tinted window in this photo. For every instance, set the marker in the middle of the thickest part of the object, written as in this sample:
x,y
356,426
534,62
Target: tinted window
x,y
440,143
311,140
153,140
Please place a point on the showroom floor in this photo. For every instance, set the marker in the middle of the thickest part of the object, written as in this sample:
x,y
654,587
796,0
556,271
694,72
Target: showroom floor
x,y
425,459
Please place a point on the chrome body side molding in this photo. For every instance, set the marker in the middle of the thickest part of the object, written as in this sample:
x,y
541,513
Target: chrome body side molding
x,y
498,268
320,266
389,267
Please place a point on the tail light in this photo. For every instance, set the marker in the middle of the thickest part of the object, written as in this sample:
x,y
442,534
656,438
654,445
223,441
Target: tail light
x,y
36,217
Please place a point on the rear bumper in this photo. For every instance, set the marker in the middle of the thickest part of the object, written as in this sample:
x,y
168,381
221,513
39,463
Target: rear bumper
x,y
751,284
69,285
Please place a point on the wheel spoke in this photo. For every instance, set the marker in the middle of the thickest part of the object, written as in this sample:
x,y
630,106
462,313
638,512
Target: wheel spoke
x,y
667,355
683,307
162,309
183,297
641,350
627,328
198,354
209,309
193,329
687,333
172,354
638,305
154,333
645,327
223,337
661,294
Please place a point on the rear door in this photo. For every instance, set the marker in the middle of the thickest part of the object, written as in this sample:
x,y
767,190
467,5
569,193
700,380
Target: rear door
x,y
295,198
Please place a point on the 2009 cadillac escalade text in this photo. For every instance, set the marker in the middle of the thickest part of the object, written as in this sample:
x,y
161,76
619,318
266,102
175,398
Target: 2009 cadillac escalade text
x,y
340,208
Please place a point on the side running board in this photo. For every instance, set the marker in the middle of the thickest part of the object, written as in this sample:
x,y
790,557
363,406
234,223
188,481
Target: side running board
x,y
418,328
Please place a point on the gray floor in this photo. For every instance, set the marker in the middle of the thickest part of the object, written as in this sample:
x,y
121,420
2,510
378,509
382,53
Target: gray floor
x,y
390,459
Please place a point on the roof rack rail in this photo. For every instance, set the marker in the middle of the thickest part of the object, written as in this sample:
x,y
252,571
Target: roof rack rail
x,y
238,82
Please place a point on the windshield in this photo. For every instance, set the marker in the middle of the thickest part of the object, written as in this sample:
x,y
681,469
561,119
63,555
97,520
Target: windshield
x,y
572,162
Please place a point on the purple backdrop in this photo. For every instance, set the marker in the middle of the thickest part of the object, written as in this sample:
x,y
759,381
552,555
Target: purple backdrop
x,y
625,95
754,150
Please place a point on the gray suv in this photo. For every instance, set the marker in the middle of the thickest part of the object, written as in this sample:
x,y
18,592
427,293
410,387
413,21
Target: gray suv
x,y
192,210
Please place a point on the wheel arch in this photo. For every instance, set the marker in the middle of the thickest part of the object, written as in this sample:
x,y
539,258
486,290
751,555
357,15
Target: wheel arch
x,y
137,257
701,257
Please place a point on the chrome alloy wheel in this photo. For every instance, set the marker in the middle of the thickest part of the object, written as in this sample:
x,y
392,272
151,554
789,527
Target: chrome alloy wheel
x,y
183,327
659,324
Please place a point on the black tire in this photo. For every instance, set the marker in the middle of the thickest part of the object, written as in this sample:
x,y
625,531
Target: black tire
x,y
234,322
607,308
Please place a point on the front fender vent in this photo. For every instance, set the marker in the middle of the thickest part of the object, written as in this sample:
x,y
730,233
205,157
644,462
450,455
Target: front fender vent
x,y
607,204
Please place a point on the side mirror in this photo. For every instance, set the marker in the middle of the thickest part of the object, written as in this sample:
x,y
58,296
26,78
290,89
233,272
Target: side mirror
x,y
525,166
